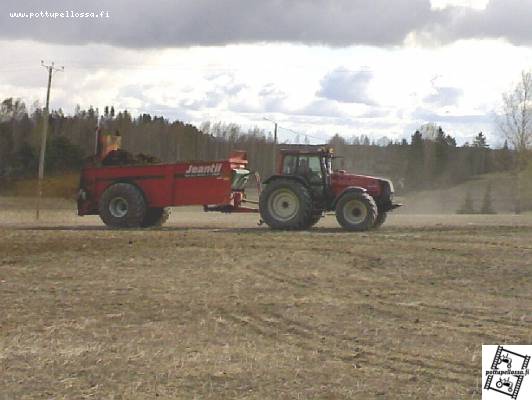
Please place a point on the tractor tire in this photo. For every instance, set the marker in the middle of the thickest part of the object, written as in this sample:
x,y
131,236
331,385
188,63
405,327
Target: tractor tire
x,y
381,218
286,204
356,212
155,217
122,205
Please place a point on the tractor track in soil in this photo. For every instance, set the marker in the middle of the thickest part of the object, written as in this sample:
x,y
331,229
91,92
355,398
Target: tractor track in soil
x,y
276,327
449,315
460,368
389,310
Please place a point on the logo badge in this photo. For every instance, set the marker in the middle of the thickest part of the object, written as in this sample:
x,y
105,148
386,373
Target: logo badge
x,y
505,372
213,169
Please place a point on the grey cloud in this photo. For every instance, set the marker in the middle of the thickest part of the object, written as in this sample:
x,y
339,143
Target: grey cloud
x,y
270,90
141,24
235,88
272,99
135,91
321,108
375,113
225,82
244,107
444,96
219,93
508,19
346,86
183,23
169,112
425,115
211,99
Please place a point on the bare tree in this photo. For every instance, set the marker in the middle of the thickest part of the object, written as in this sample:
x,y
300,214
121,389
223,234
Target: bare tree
x,y
429,131
516,121
516,125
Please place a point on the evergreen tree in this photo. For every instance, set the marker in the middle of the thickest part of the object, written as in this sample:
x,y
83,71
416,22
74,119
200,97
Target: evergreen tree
x,y
441,154
415,173
487,207
467,206
505,162
451,141
480,141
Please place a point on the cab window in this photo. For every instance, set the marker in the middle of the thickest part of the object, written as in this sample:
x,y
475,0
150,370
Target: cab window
x,y
289,165
310,167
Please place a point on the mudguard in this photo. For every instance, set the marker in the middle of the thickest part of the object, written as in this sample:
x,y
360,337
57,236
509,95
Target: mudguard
x,y
349,189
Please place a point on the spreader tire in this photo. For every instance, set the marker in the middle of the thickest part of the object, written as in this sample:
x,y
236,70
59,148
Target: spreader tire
x,y
381,218
286,204
155,217
356,211
122,205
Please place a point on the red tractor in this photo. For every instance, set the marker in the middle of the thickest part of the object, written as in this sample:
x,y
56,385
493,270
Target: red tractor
x,y
127,191
305,187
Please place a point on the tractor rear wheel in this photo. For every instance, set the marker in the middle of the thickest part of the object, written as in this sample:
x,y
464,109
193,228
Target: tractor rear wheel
x,y
286,204
356,211
155,217
122,205
381,218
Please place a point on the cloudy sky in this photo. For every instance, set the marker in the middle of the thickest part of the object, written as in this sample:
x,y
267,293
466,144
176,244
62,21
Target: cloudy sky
x,y
375,67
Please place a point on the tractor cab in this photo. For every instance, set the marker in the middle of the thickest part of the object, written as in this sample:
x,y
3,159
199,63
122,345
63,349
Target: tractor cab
x,y
312,166
306,163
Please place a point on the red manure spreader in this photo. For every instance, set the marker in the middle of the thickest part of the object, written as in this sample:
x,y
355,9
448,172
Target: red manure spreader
x,y
131,192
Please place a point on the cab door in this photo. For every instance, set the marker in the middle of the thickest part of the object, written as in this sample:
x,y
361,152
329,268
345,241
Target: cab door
x,y
310,168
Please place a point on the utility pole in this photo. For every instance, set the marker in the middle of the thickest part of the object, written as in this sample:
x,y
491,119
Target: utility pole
x,y
274,158
51,68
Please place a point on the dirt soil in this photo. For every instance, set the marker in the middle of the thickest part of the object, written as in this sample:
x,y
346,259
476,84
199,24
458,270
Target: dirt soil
x,y
215,307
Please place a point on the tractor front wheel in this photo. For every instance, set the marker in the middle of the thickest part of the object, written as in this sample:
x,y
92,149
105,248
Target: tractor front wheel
x,y
286,204
356,211
381,218
122,205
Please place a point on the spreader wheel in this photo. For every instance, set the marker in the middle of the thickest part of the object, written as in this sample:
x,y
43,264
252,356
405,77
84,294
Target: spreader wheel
x,y
156,217
356,211
286,204
122,206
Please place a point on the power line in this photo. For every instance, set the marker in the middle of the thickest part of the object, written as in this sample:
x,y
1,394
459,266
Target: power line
x,y
301,133
274,159
277,126
51,69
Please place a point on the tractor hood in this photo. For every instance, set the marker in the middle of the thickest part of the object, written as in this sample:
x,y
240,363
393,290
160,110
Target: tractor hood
x,y
374,185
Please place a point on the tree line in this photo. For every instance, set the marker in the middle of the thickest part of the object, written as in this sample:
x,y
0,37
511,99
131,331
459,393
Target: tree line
x,y
429,159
